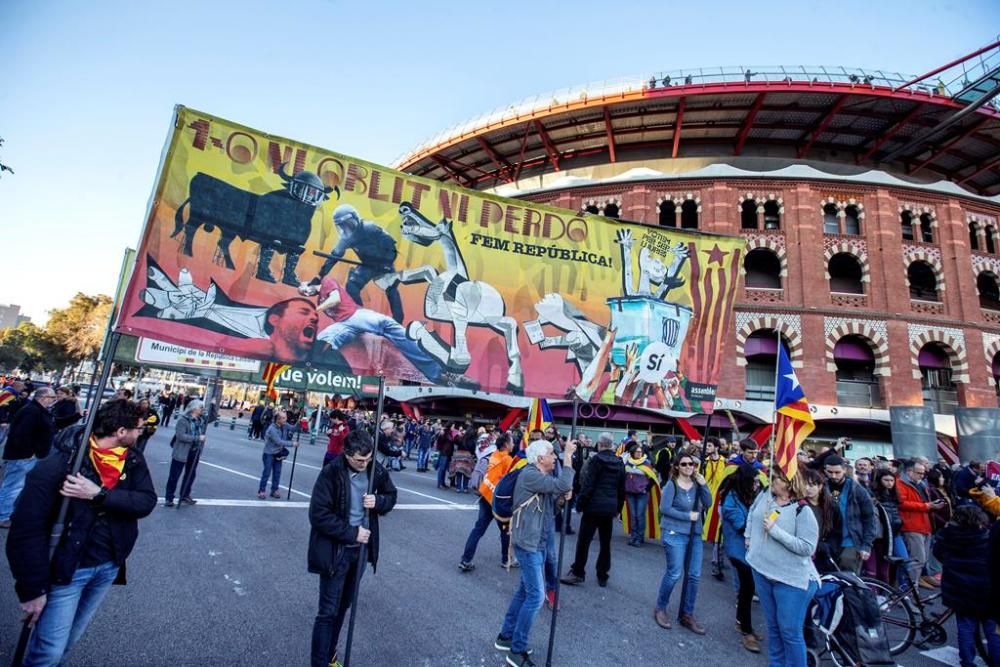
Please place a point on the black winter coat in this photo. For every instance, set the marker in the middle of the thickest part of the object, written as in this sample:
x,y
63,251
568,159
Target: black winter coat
x,y
31,432
132,498
602,485
965,559
330,512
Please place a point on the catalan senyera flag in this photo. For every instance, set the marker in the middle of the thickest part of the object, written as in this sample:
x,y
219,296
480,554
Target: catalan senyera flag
x,y
793,421
271,372
539,416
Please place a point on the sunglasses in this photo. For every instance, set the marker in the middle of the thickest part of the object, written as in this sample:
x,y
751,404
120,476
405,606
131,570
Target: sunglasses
x,y
686,464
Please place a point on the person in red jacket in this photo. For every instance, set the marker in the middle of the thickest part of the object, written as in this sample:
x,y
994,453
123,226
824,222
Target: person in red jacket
x,y
915,509
337,431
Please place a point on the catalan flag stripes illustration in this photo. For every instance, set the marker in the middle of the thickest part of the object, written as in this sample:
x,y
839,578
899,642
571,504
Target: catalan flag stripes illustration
x,y
539,416
270,375
793,421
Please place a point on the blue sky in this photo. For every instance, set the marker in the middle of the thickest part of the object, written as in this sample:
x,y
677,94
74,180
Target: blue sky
x,y
87,89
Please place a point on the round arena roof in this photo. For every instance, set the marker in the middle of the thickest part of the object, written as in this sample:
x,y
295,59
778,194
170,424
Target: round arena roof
x,y
868,119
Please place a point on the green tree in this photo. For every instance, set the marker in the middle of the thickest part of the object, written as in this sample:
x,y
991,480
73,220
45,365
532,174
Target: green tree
x,y
78,329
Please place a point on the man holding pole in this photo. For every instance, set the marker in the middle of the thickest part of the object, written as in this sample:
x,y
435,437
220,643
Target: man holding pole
x,y
108,496
277,438
533,521
343,513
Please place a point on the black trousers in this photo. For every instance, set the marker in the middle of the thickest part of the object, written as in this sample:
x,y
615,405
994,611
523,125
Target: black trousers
x,y
176,468
335,594
589,524
744,599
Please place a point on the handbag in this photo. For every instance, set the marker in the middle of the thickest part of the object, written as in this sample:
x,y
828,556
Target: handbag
x,y
282,454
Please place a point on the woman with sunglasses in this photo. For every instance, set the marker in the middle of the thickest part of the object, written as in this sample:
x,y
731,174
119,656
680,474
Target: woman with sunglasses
x,y
685,497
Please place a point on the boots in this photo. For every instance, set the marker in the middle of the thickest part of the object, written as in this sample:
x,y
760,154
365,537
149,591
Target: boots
x,y
264,265
750,643
688,621
288,276
661,618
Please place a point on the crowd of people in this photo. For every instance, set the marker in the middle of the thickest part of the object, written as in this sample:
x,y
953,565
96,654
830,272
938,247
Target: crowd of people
x,y
904,522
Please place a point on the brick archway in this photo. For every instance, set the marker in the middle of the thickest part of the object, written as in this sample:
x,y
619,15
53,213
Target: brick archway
x,y
601,204
874,338
856,251
953,347
774,243
762,321
991,348
913,254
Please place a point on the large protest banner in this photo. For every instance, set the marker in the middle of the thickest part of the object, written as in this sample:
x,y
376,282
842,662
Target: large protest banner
x,y
263,247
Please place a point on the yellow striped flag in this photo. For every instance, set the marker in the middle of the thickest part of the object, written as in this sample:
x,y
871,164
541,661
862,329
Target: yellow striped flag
x,y
270,375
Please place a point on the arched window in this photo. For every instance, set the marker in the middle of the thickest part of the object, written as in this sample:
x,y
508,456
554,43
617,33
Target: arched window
x,y
689,215
926,230
763,269
973,236
996,374
991,246
906,224
761,354
940,393
748,214
923,282
772,215
852,220
831,224
988,287
845,274
592,209
668,214
857,384
612,211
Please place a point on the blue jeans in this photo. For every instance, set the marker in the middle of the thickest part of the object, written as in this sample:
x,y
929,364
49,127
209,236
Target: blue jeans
x,y
461,482
637,512
527,599
365,321
68,610
967,640
423,456
272,469
478,530
677,546
15,471
785,612
442,467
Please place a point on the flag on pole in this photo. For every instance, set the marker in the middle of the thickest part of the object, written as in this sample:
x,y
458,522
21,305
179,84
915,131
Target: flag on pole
x,y
539,416
793,422
270,376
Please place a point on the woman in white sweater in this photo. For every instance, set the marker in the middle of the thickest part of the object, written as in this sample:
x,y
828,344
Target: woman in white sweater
x,y
781,537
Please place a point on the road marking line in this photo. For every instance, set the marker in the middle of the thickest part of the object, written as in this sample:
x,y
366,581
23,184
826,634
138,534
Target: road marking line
x,y
256,479
301,504
946,654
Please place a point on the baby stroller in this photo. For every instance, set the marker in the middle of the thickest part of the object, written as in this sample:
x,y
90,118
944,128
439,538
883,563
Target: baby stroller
x,y
843,623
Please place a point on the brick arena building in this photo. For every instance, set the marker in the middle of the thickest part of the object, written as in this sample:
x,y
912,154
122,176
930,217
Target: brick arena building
x,y
868,201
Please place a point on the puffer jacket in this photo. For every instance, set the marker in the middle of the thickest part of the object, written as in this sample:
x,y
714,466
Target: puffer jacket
x,y
602,485
965,559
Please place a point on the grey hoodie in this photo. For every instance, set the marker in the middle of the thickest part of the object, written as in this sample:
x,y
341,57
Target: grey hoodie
x,y
527,524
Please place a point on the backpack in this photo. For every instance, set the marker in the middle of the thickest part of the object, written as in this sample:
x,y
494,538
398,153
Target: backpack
x,y
478,473
503,496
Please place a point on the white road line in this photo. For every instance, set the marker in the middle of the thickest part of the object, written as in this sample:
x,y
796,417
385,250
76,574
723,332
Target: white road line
x,y
945,654
299,504
253,477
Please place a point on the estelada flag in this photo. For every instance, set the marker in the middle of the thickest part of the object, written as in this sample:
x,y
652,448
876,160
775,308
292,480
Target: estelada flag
x,y
270,375
539,416
652,506
792,421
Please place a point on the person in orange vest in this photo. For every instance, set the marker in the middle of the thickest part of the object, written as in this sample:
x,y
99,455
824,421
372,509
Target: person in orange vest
x,y
500,462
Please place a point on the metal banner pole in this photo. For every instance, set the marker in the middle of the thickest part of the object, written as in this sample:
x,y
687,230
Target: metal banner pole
x,y
562,545
59,526
295,455
363,555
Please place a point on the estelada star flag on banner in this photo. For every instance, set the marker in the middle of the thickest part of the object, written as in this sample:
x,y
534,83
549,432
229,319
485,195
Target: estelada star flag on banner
x,y
540,416
793,421
270,375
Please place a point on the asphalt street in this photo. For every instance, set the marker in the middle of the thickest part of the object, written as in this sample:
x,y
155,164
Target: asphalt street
x,y
225,583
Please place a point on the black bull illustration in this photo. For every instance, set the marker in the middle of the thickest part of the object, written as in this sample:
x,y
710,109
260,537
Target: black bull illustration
x,y
280,221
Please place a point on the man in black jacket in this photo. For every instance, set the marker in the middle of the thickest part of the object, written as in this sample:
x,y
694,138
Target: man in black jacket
x,y
341,519
602,495
108,496
28,441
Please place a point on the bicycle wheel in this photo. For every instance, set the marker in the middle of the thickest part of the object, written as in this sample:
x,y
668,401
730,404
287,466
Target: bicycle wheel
x,y
898,617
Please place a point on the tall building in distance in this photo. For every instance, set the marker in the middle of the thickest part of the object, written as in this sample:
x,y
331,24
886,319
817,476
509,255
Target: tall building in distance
x,y
10,316
869,202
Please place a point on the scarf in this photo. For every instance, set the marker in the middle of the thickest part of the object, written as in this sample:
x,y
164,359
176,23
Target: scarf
x,y
635,462
108,463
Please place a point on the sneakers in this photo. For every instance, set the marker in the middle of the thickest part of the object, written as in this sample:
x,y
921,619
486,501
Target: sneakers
x,y
275,494
466,567
334,662
169,503
750,643
503,644
189,501
603,583
513,564
261,495
661,618
550,600
519,660
688,621
571,579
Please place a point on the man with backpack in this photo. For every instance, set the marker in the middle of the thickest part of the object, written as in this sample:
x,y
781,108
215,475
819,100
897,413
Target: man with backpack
x,y
497,464
601,498
532,520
